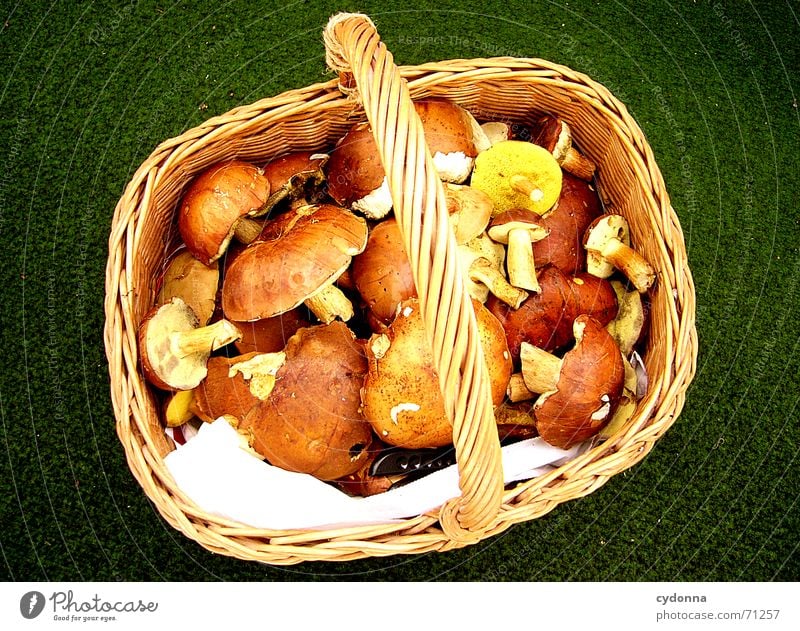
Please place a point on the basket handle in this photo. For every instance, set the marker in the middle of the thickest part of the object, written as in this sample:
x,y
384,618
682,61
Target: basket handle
x,y
353,46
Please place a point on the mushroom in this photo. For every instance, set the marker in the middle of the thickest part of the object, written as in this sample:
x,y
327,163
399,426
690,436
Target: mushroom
x,y
355,175
517,391
270,335
296,175
382,273
195,283
519,229
515,420
357,180
579,392
178,408
297,266
626,405
496,131
627,326
495,351
518,174
470,211
453,137
592,296
311,421
174,349
577,206
402,398
220,204
234,385
554,134
607,242
483,260
545,319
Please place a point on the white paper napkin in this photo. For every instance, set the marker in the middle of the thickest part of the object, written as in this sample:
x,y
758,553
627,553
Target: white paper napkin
x,y
223,479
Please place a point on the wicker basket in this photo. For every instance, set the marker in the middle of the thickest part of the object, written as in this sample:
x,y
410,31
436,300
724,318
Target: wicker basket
x,y
314,117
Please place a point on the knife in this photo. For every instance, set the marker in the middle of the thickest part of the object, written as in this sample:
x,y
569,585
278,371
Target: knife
x,y
398,461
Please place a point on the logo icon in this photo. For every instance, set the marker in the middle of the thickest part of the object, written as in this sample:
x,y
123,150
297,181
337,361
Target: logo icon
x,y
31,604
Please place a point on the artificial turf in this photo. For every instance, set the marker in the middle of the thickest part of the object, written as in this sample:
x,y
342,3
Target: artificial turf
x,y
89,89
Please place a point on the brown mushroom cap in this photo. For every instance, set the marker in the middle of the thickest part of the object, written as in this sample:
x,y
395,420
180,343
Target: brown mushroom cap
x,y
294,174
401,396
311,421
354,169
447,127
282,171
271,277
592,296
215,201
234,385
453,137
174,349
549,131
270,335
495,351
545,320
588,388
195,283
382,273
576,208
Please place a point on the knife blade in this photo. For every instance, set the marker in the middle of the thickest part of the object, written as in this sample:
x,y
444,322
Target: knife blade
x,y
399,461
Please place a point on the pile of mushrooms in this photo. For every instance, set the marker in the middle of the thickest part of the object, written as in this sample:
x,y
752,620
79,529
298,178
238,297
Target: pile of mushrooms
x,y
289,308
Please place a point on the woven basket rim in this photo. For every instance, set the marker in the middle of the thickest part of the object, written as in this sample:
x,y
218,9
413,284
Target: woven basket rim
x,y
575,479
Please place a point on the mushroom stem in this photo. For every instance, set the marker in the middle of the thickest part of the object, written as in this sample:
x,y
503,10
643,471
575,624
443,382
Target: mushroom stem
x,y
330,303
481,271
629,262
578,164
523,185
517,390
540,369
521,266
247,230
205,339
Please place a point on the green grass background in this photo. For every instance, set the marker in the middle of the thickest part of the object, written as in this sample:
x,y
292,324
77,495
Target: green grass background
x,y
90,88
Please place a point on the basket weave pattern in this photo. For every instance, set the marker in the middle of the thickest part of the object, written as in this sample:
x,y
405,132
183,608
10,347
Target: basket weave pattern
x,y
314,118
